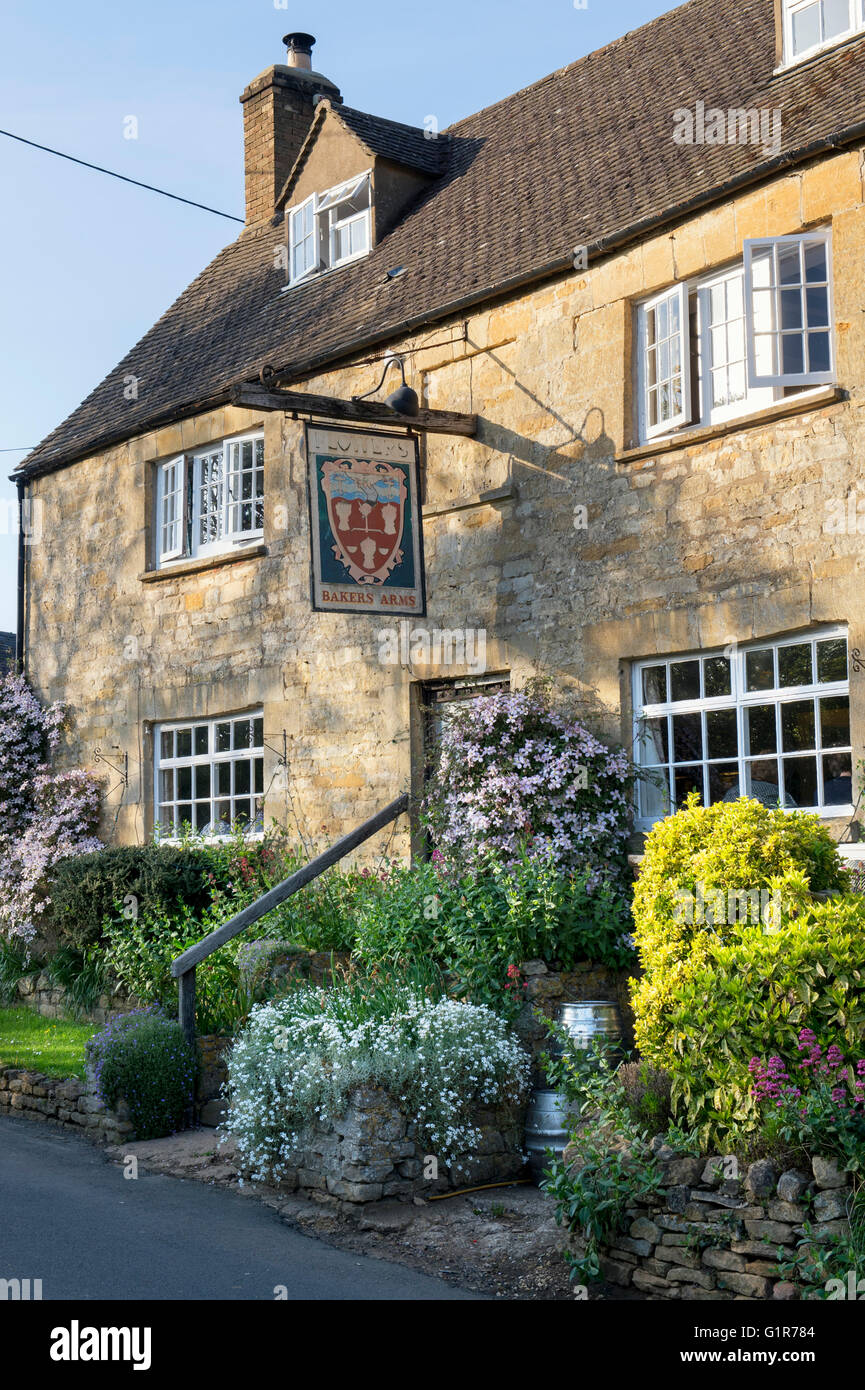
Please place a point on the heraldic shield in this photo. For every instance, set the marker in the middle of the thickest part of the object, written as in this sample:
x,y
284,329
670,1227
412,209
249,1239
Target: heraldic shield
x,y
366,503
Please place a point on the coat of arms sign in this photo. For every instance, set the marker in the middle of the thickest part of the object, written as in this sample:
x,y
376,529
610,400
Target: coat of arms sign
x,y
367,551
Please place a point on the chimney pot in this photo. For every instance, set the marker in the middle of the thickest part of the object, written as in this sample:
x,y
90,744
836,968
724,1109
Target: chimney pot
x,y
299,50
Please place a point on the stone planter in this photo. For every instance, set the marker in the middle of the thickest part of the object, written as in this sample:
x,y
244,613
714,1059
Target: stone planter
x,y
373,1151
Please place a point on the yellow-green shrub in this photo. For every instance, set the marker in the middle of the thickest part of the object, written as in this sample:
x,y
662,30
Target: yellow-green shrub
x,y
731,846
750,996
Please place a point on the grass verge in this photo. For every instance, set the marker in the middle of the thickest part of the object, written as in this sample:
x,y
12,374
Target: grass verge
x,y
51,1045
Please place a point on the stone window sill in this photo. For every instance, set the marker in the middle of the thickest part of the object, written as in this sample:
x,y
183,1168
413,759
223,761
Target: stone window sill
x,y
793,405
213,562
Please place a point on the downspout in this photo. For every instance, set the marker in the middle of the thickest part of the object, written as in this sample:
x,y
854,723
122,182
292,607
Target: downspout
x,y
21,484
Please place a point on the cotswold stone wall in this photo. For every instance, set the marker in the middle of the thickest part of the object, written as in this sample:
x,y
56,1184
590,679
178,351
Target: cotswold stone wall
x,y
68,1102
37,992
373,1151
710,1237
688,543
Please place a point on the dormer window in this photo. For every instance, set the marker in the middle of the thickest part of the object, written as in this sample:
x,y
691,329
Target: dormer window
x,y
330,229
810,26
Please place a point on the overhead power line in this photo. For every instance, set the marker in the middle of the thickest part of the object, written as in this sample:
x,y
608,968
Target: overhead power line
x,y
151,188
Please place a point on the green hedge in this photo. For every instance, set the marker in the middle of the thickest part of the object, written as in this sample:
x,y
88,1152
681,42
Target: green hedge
x,y
751,996
142,879
706,854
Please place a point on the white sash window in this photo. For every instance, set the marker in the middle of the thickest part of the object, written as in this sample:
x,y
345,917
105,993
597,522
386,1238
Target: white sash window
x,y
330,229
812,26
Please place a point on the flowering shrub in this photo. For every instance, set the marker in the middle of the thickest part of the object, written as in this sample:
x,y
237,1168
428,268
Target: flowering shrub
x,y
28,736
297,1062
50,818
143,1058
518,767
821,1108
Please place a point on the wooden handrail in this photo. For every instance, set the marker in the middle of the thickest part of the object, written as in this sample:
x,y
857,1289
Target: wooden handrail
x,y
183,968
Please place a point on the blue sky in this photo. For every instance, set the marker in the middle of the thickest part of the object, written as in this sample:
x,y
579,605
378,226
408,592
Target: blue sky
x,y
89,263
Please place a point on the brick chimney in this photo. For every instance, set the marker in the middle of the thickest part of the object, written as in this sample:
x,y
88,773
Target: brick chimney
x,y
278,108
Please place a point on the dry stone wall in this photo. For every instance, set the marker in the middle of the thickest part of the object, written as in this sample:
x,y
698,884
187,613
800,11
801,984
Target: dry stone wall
x,y
68,1102
374,1151
708,1237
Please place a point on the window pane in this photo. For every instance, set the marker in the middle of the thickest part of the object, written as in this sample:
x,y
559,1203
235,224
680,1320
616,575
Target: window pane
x,y
653,741
760,724
241,778
166,785
760,668
815,262
242,731
794,664
800,781
687,779
685,680
817,307
819,352
201,739
791,308
654,796
202,781
716,674
761,781
258,765
258,733
223,738
242,812
223,778
184,743
166,744
184,815
721,734
832,660
836,18
184,783
835,722
797,725
687,737
792,354
723,782
838,779
655,685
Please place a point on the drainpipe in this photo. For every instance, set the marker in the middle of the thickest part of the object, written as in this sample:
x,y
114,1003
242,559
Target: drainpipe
x,y
21,484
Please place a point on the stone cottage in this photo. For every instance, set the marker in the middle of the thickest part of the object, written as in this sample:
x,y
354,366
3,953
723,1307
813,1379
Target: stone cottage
x,y
644,277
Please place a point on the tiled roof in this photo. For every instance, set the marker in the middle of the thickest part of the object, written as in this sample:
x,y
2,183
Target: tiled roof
x,y
403,143
584,157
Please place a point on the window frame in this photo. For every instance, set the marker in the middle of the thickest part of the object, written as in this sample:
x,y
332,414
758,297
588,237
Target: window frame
x,y
698,353
177,468
190,467
740,699
314,264
824,235
326,227
855,14
680,291
212,759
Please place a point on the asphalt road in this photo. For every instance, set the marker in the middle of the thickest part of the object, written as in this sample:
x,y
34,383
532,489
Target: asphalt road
x,y
71,1219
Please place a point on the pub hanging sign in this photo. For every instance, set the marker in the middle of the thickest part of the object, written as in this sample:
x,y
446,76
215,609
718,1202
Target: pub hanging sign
x,y
365,525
